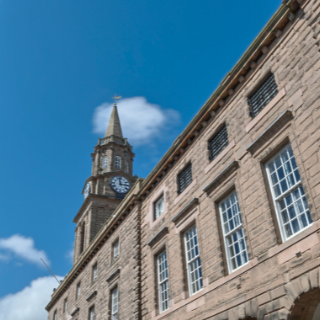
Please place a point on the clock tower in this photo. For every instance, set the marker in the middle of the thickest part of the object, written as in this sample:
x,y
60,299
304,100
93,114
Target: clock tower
x,y
111,179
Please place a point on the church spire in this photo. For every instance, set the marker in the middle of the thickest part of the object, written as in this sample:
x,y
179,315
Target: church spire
x,y
114,126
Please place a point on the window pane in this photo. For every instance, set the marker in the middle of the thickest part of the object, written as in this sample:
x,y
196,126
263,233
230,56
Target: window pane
x,y
163,281
292,207
193,260
234,235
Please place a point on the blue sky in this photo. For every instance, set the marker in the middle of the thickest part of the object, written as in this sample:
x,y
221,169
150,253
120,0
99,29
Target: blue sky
x,y
59,62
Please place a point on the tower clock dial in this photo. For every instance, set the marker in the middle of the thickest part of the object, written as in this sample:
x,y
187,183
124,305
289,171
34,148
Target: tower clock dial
x,y
120,184
87,190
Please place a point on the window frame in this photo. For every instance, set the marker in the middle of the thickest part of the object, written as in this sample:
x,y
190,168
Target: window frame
x,y
189,165
92,308
276,199
65,305
215,135
161,282
155,216
55,315
116,242
233,231
189,263
94,272
114,313
78,290
117,162
259,85
105,161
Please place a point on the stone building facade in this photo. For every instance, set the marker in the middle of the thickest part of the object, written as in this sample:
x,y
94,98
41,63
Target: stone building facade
x,y
227,225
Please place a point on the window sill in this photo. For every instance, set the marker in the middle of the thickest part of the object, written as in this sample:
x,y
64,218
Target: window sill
x,y
265,110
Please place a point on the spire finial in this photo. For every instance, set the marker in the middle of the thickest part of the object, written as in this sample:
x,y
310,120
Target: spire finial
x,y
116,98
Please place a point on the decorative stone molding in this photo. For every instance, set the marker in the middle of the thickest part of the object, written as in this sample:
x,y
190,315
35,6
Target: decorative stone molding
x,y
91,295
158,236
113,275
74,311
194,202
230,168
275,126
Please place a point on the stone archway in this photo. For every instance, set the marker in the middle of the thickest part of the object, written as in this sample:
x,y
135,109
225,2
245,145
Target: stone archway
x,y
307,307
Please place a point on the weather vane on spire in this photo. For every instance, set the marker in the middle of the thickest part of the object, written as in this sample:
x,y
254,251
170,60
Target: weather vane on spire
x,y
116,98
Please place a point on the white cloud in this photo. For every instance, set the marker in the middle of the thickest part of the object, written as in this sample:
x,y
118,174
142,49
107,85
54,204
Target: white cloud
x,y
29,303
140,120
23,247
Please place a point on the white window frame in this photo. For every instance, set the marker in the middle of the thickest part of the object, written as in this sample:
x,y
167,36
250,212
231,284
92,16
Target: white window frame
x,y
92,314
116,249
78,292
158,207
236,218
114,303
95,272
104,162
190,262
163,281
117,162
276,199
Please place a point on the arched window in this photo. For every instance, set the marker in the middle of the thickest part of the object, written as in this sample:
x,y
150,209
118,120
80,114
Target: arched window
x,y
104,162
118,162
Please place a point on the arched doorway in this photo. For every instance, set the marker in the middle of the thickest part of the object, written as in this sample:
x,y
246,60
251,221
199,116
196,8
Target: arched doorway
x,y
307,307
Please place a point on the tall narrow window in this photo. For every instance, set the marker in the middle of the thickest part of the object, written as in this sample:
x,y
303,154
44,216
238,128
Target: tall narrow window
x,y
78,290
163,283
158,207
263,95
193,260
82,237
55,315
128,167
65,306
118,162
218,142
185,178
288,194
104,162
116,249
234,241
92,315
114,304
94,272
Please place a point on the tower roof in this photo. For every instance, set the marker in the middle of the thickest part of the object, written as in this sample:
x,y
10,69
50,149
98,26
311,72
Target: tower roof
x,y
114,126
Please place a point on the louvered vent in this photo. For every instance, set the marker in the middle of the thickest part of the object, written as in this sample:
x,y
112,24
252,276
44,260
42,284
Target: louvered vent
x,y
218,143
262,96
185,178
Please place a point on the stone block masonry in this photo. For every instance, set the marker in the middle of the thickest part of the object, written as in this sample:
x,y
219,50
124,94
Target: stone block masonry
x,y
246,257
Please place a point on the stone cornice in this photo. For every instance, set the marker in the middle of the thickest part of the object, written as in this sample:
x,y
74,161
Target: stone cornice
x,y
225,93
194,202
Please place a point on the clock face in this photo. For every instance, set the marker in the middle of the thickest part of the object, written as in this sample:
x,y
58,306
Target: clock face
x,y
120,184
87,190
